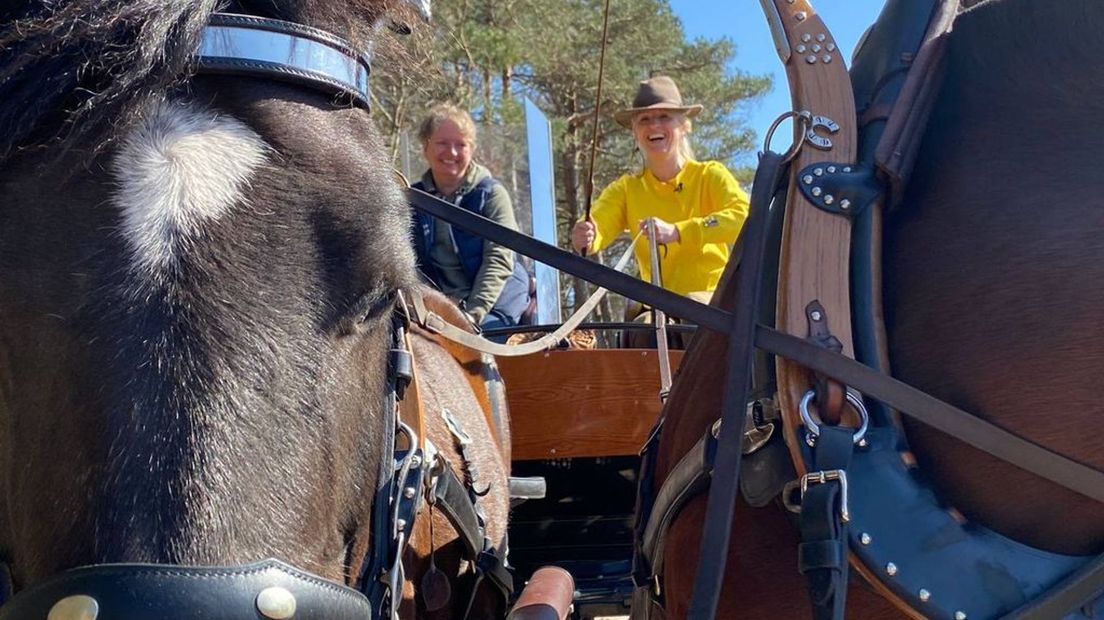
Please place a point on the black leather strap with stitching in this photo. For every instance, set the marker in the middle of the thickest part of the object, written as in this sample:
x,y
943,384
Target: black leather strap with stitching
x,y
923,407
822,554
906,399
937,414
721,505
1076,590
165,592
451,497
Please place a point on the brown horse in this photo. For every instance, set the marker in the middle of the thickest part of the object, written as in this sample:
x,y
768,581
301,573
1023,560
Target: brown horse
x,y
990,266
198,277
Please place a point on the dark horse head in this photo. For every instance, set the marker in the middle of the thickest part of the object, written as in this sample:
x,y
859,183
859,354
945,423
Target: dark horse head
x,y
196,283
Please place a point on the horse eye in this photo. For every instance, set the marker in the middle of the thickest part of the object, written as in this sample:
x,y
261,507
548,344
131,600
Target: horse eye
x,y
367,308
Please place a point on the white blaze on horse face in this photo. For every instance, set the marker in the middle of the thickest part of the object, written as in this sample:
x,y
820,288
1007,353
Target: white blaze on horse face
x,y
181,167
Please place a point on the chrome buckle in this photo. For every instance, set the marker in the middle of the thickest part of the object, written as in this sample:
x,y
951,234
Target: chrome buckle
x,y
823,477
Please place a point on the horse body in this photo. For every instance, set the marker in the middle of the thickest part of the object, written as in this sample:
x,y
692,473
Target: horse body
x,y
989,265
990,260
195,303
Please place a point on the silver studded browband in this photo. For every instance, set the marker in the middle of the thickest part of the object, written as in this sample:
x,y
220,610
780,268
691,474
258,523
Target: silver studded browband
x,y
245,45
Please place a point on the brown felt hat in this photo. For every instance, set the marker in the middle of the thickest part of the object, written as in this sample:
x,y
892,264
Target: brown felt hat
x,y
658,93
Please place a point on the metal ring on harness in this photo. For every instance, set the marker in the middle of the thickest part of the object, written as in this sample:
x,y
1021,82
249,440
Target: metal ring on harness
x,y
814,427
804,118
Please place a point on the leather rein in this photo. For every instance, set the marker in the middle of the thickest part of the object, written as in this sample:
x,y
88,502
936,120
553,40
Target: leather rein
x,y
917,404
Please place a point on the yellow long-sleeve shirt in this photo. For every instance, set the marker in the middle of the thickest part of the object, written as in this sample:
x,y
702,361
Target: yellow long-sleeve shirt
x,y
704,201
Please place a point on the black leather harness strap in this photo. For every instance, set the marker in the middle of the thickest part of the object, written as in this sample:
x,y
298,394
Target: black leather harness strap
x,y
399,376
143,591
591,271
451,496
822,554
721,506
992,439
455,500
931,411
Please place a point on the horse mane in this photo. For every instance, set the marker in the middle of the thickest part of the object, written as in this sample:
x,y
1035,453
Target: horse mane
x,y
71,72
75,74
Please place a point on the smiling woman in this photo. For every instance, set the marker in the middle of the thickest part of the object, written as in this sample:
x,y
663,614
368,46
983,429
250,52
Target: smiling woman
x,y
697,207
484,278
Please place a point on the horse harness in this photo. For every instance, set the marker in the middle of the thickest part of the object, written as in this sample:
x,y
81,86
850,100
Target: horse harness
x,y
851,487
412,474
844,469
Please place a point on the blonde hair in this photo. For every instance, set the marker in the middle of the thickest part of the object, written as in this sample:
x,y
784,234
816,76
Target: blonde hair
x,y
442,112
684,148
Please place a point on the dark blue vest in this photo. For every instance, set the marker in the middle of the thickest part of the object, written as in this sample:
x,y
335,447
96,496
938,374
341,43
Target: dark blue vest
x,y
514,298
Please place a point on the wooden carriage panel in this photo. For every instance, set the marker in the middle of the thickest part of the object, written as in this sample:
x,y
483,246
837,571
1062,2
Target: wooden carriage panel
x,y
582,403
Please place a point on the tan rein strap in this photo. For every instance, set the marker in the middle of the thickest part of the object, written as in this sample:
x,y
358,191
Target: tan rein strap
x,y
434,323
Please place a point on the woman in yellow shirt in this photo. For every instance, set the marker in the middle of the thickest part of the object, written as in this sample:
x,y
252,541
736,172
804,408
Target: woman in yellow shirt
x,y
698,207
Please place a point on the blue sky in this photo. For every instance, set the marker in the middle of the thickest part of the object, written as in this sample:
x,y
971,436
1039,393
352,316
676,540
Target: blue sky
x,y
743,22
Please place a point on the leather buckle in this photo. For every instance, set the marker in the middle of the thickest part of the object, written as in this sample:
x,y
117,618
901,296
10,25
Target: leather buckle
x,y
824,477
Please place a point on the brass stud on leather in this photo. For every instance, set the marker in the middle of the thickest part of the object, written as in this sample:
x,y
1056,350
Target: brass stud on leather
x,y
816,47
276,603
826,58
800,48
800,15
924,595
821,37
811,59
891,569
76,607
831,47
806,37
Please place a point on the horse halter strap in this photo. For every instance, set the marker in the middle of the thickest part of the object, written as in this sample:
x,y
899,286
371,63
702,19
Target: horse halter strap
x,y
234,44
414,475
